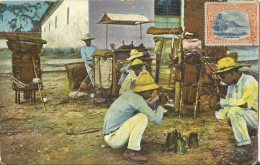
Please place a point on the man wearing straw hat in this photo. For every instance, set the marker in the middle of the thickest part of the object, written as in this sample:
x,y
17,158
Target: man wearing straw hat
x,y
241,103
86,54
136,68
134,54
127,118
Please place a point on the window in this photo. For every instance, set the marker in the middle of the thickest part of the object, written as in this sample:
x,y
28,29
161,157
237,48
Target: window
x,y
49,26
167,7
68,15
56,22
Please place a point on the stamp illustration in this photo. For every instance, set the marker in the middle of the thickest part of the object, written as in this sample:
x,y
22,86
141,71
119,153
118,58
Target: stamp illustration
x,y
231,24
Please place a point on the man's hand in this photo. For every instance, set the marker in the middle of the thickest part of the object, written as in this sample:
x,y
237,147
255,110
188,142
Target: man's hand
x,y
162,99
217,106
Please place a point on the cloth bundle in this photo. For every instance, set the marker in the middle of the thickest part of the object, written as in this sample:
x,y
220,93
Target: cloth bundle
x,y
192,53
188,44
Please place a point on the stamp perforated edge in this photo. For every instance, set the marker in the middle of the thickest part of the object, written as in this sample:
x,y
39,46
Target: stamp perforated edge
x,y
228,44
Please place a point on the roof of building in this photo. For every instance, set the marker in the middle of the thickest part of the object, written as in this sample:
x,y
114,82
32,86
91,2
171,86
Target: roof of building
x,y
123,19
50,10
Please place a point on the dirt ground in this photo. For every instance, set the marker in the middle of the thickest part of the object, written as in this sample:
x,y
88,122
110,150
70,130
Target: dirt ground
x,y
72,134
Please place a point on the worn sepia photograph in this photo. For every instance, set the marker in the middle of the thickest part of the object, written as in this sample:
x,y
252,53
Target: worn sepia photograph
x,y
160,82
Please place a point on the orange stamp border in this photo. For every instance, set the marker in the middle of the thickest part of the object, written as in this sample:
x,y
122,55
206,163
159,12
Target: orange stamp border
x,y
252,10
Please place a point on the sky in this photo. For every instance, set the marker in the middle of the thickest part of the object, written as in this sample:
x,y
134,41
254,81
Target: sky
x,y
7,15
237,16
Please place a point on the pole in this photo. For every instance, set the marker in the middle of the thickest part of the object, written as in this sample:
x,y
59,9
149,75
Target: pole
x,y
36,75
141,31
79,89
93,68
106,35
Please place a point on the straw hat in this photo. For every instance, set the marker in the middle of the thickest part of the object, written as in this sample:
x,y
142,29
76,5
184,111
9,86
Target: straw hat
x,y
134,54
144,82
226,64
87,37
137,62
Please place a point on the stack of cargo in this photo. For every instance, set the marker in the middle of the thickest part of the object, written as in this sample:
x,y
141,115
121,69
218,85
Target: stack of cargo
x,y
25,64
165,71
192,65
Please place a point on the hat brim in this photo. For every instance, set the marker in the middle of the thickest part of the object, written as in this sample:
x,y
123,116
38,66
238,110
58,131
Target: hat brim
x,y
137,65
85,39
135,56
152,86
228,69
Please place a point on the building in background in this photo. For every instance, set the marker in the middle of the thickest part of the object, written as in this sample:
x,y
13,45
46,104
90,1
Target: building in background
x,y
65,22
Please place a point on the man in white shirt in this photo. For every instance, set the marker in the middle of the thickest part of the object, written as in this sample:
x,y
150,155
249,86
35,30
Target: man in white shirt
x,y
241,103
86,54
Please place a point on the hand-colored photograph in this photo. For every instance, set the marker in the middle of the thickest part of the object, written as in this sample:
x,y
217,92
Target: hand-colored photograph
x,y
163,82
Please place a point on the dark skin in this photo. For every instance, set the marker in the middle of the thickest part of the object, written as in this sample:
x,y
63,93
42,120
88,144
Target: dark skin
x,y
88,42
137,69
147,94
230,77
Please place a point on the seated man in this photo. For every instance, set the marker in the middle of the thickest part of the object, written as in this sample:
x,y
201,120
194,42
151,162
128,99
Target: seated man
x,y
127,118
241,102
127,84
134,54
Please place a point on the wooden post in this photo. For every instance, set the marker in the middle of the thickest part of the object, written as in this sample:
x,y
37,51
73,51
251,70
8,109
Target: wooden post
x,y
31,95
34,96
19,97
141,31
177,97
106,35
99,72
196,108
114,76
15,96
36,75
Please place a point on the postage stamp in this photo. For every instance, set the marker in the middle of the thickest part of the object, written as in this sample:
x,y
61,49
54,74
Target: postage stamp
x,y
231,24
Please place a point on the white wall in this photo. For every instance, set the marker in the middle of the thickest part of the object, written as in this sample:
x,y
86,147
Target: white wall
x,y
118,33
3,44
82,17
67,35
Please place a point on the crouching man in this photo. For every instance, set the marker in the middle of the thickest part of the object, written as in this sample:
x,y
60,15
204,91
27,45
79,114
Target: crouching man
x,y
127,118
241,103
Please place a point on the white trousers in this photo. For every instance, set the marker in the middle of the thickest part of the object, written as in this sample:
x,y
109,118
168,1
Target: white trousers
x,y
240,118
90,73
131,131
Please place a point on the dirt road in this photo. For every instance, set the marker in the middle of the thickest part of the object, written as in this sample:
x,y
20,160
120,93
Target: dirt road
x,y
72,134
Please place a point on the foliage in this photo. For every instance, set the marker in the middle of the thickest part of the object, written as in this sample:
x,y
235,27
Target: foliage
x,y
21,15
64,53
220,24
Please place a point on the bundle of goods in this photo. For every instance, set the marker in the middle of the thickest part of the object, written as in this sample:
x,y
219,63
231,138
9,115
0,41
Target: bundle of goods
x,y
76,73
105,71
165,70
26,65
192,67
123,52
153,30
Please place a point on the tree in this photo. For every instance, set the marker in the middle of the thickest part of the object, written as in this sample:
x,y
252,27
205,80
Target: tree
x,y
24,15
220,24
